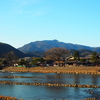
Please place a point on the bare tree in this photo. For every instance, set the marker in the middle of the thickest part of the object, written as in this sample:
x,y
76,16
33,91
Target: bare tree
x,y
57,54
10,57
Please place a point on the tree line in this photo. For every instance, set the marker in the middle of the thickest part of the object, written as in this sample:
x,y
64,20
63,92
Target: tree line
x,y
54,54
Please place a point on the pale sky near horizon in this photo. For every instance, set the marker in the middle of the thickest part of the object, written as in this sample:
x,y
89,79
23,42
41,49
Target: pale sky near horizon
x,y
69,21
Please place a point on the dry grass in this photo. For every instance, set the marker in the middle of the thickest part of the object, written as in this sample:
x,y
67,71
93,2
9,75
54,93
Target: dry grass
x,y
73,69
7,98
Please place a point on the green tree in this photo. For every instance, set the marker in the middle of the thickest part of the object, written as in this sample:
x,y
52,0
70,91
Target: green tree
x,y
83,60
22,62
94,57
76,55
37,61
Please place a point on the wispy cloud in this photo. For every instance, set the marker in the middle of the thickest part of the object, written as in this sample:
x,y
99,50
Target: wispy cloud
x,y
25,2
22,3
25,6
38,13
29,7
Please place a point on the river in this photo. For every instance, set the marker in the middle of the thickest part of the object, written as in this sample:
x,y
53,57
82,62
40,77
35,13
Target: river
x,y
32,92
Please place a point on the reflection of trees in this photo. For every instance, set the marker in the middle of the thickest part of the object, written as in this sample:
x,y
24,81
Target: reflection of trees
x,y
76,79
86,79
94,79
56,89
58,78
54,79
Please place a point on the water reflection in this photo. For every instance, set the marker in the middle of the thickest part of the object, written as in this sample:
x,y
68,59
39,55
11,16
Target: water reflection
x,y
57,78
49,93
95,79
53,78
76,79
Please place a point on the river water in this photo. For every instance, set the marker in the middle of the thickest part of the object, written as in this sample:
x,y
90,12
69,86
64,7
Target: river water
x,y
31,92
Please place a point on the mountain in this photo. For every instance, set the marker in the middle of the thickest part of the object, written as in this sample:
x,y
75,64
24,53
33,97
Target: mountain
x,y
82,52
85,52
97,49
35,53
48,44
5,48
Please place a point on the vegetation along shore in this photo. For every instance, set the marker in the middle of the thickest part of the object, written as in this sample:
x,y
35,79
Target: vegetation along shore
x,y
67,70
51,69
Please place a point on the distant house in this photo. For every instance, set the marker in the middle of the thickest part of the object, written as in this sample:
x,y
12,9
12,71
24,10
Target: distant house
x,y
88,57
59,63
70,58
28,59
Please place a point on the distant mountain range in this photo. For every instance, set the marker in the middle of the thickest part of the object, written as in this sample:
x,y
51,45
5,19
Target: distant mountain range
x,y
48,44
38,48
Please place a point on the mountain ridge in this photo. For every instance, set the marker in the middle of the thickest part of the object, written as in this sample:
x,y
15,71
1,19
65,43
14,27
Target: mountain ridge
x,y
38,48
5,48
48,44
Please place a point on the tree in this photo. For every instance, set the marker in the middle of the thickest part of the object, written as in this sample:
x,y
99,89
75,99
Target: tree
x,y
83,60
56,54
94,57
22,62
10,57
37,61
76,55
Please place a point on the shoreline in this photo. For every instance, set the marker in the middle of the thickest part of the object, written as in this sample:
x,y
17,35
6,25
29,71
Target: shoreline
x,y
66,70
51,69
50,84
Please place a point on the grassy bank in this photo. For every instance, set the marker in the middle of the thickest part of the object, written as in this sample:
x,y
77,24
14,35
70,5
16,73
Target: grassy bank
x,y
8,98
49,84
68,70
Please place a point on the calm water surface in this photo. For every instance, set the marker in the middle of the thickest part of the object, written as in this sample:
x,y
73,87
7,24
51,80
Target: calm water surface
x,y
28,92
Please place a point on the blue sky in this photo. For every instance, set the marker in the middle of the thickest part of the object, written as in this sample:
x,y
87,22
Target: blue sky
x,y
69,21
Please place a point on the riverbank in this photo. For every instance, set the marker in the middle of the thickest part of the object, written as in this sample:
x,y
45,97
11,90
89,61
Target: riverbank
x,y
13,98
8,98
54,86
49,84
67,70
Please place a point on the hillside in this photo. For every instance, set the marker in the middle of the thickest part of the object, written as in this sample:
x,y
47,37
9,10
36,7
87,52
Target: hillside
x,y
48,44
38,48
5,48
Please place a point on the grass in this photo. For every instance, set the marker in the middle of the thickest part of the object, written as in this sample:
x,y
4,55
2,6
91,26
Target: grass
x,y
51,69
